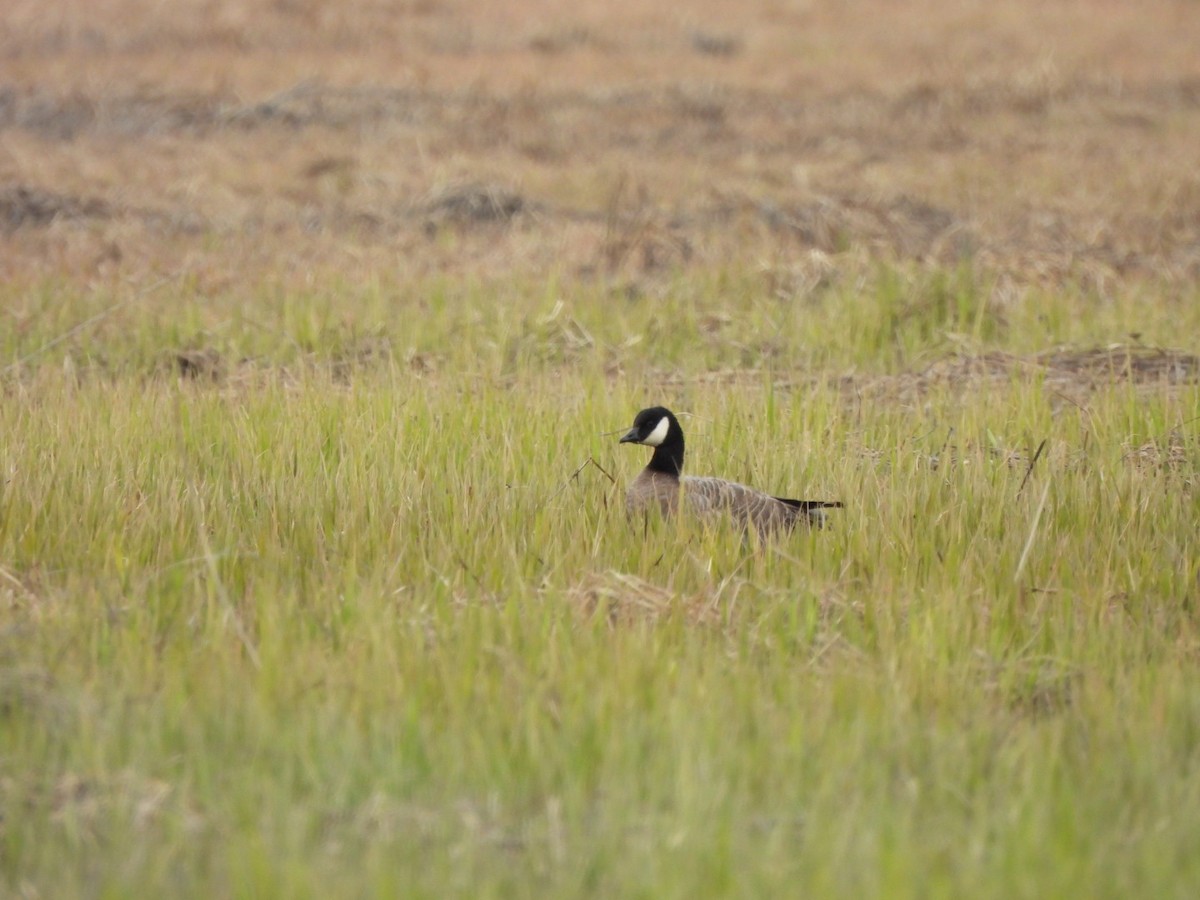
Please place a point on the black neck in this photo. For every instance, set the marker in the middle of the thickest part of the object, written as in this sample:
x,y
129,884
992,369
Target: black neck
x,y
668,456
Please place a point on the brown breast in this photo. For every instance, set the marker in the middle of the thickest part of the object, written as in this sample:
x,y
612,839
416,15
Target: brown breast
x,y
652,490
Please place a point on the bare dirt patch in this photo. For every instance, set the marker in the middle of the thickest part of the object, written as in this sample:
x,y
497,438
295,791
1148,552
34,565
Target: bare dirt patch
x,y
1063,368
472,204
29,207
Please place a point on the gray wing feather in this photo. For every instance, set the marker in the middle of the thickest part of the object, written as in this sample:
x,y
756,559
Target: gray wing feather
x,y
715,496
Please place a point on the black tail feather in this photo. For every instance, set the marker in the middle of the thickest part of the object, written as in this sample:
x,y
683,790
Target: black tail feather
x,y
808,505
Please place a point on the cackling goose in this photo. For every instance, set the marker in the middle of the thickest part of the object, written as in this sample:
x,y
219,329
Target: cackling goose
x,y
662,484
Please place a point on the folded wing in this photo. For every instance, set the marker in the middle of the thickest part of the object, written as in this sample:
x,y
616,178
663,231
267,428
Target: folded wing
x,y
718,497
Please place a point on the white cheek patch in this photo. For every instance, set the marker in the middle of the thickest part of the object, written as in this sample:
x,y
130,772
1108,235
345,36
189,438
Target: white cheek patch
x,y
659,434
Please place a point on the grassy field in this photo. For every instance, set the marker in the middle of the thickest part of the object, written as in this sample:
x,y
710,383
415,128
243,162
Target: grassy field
x,y
315,578
340,622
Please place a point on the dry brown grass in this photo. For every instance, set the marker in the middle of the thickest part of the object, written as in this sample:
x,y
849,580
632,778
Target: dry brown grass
x,y
1046,142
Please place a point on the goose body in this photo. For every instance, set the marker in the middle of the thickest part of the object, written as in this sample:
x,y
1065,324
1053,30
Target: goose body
x,y
663,486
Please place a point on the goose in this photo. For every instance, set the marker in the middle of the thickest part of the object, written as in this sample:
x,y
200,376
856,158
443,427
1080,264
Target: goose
x,y
661,484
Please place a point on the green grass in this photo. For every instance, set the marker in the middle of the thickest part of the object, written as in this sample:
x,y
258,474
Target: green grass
x,y
351,620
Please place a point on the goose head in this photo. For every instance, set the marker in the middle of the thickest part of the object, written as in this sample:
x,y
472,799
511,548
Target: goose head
x,y
653,427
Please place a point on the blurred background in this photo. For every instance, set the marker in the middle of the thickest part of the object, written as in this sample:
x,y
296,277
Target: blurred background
x,y
302,139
